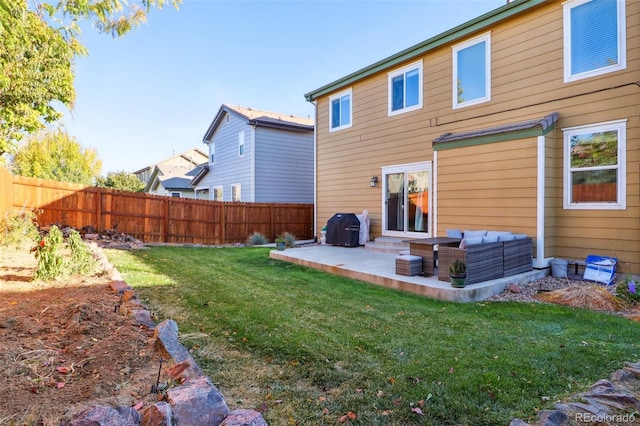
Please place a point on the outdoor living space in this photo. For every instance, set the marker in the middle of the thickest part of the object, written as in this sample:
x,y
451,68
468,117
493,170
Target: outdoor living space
x,y
380,268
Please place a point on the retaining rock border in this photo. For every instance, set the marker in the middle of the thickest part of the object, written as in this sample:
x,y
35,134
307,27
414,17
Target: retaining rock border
x,y
195,401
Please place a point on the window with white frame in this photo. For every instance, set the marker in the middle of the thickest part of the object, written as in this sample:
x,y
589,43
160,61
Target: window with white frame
x,y
235,192
241,143
212,152
217,193
594,38
595,166
176,195
405,89
472,71
340,110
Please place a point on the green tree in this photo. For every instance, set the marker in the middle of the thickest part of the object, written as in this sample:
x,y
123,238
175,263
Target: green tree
x,y
121,180
57,156
37,47
35,69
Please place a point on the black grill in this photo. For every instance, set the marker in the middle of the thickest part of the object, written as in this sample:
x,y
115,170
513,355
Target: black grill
x,y
343,229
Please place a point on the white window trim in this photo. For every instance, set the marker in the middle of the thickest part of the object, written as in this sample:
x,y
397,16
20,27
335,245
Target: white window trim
x,y
621,127
212,153
340,95
242,147
622,43
487,84
396,73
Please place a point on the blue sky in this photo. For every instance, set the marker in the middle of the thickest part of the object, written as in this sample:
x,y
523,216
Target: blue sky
x,y
153,93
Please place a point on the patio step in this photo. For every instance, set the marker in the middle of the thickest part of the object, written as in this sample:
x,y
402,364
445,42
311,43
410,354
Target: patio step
x,y
387,245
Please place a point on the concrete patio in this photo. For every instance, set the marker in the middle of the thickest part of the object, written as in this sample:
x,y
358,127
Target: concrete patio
x,y
379,268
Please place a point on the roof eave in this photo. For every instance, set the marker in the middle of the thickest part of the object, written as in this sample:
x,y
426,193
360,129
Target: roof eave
x,y
477,24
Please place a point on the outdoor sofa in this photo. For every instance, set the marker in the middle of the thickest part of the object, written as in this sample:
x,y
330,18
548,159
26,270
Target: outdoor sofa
x,y
488,254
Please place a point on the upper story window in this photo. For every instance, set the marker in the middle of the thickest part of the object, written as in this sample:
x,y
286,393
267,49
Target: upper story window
x,y
472,72
212,152
595,166
594,38
405,89
241,143
340,111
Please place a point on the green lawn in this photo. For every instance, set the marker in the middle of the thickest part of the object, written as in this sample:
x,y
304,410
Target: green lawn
x,y
307,347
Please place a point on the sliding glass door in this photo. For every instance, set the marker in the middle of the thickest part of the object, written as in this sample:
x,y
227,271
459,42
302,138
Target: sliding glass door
x,y
406,200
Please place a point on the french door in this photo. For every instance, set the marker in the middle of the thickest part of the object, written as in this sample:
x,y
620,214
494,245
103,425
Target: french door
x,y
406,208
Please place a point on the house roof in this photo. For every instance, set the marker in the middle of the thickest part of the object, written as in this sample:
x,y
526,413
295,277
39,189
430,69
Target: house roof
x,y
535,127
173,176
193,156
256,117
461,31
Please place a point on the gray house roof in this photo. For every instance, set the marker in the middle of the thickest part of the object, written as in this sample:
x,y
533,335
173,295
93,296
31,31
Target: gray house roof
x,y
256,117
480,23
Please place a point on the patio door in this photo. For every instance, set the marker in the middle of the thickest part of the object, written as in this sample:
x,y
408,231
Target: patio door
x,y
406,206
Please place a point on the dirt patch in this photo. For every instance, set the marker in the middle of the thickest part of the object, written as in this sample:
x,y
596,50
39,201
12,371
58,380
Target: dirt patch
x,y
66,345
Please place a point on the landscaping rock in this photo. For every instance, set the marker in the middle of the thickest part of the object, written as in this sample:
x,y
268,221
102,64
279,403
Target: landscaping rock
x,y
107,416
166,334
242,417
514,288
552,418
158,414
197,402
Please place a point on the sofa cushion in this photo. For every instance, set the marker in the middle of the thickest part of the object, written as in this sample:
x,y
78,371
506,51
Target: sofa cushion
x,y
521,236
466,242
490,239
474,234
498,233
509,237
454,233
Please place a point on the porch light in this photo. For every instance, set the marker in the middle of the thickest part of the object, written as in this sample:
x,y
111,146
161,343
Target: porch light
x,y
373,182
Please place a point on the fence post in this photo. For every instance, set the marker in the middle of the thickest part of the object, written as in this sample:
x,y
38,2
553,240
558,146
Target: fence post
x,y
99,209
165,237
223,223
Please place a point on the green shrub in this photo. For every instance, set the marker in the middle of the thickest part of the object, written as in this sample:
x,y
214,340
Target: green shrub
x,y
47,251
51,261
81,261
289,239
627,289
15,228
256,239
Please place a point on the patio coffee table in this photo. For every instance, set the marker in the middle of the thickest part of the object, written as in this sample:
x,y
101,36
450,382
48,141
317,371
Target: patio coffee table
x,y
423,247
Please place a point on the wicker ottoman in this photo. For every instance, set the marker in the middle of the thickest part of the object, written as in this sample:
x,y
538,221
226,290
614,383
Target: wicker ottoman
x,y
408,264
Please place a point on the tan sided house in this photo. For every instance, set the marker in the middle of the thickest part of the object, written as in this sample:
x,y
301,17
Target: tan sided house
x,y
525,119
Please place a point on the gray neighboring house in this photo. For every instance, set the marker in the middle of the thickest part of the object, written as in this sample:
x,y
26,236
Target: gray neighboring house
x,y
173,176
258,156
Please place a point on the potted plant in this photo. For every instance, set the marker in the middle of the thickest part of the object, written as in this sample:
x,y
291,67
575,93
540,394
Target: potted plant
x,y
458,273
280,242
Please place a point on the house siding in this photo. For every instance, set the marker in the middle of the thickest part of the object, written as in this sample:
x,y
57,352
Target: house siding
x,y
283,166
527,82
229,168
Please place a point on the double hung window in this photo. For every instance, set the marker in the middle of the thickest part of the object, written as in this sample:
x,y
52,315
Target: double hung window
x,y
595,166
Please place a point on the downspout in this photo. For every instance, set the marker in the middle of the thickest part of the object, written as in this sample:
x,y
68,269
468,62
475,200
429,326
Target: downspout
x,y
540,261
253,163
315,168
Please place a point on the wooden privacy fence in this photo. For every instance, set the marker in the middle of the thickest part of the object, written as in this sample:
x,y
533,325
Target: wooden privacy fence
x,y
153,218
